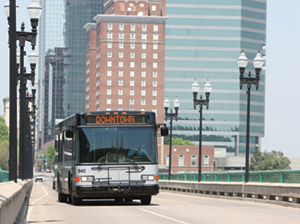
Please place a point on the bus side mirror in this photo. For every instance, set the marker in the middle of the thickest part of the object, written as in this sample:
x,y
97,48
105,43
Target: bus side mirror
x,y
69,133
164,131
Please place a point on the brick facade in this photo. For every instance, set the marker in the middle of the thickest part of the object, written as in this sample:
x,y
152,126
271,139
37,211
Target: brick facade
x,y
185,154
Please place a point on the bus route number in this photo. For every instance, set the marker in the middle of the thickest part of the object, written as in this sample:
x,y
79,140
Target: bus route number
x,y
81,170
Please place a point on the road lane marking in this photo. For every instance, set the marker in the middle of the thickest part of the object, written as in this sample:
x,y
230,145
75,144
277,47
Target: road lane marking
x,y
162,216
46,194
30,205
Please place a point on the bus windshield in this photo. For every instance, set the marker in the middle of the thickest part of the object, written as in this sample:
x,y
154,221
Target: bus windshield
x,y
116,145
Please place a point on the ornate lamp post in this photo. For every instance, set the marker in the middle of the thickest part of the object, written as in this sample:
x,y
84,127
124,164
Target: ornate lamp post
x,y
34,11
171,115
258,63
200,102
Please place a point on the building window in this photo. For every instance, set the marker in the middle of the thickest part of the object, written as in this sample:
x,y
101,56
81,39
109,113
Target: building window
x,y
206,160
120,108
143,102
121,45
193,160
131,92
109,54
154,83
143,92
144,27
132,64
132,27
143,83
143,73
153,7
120,73
108,101
109,35
120,82
131,73
120,63
132,45
120,92
121,54
143,55
131,82
108,72
109,45
120,101
143,64
108,91
167,160
154,64
155,36
132,36
144,36
109,82
109,63
155,74
154,92
154,102
155,27
108,108
132,55
121,35
181,160
121,26
144,46
131,101
110,26
155,46
154,55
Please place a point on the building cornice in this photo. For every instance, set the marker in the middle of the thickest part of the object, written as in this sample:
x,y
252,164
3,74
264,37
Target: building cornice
x,y
130,19
90,26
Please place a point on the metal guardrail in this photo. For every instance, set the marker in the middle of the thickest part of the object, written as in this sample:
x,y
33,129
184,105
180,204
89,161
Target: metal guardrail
x,y
276,176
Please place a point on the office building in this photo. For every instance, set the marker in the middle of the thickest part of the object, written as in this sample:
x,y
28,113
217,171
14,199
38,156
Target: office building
x,y
203,41
62,60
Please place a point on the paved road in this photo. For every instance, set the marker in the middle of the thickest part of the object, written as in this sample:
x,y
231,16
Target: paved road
x,y
166,208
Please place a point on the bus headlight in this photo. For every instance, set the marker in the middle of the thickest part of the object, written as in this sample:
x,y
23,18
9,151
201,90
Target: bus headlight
x,y
149,177
87,179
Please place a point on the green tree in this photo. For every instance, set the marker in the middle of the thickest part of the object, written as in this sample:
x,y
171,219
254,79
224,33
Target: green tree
x,y
4,154
50,155
3,130
177,141
274,160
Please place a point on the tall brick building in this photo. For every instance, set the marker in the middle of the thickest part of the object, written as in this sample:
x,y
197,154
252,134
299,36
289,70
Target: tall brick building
x,y
125,57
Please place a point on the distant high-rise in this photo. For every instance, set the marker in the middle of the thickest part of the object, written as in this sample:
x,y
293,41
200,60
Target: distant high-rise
x,y
62,44
203,41
125,57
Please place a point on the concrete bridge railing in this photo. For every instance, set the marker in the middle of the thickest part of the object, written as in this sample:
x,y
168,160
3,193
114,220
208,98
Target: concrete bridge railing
x,y
277,193
14,200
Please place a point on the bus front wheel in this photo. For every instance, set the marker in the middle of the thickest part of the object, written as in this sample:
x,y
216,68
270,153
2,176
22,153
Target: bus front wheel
x,y
146,200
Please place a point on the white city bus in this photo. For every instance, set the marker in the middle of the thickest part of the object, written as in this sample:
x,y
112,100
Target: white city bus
x,y
107,154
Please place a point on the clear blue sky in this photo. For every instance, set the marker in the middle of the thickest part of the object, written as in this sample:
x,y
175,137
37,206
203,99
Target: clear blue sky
x,y
282,73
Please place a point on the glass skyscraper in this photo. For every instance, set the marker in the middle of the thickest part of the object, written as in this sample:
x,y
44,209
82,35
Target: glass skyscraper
x,y
62,54
204,38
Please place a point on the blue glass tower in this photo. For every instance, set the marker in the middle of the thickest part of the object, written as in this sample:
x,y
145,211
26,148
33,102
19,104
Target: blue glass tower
x,y
204,38
62,59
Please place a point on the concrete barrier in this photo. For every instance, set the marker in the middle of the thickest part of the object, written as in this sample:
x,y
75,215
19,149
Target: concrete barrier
x,y
277,193
14,200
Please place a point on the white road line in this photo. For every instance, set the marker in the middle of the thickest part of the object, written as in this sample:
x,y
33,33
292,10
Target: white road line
x,y
166,217
30,207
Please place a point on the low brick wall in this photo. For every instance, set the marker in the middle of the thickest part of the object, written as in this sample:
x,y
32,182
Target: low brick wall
x,y
282,194
14,198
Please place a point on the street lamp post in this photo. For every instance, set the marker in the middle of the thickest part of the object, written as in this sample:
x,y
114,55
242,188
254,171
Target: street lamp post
x,y
200,102
171,115
258,62
34,12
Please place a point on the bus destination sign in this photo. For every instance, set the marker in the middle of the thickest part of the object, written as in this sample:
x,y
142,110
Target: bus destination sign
x,y
115,119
